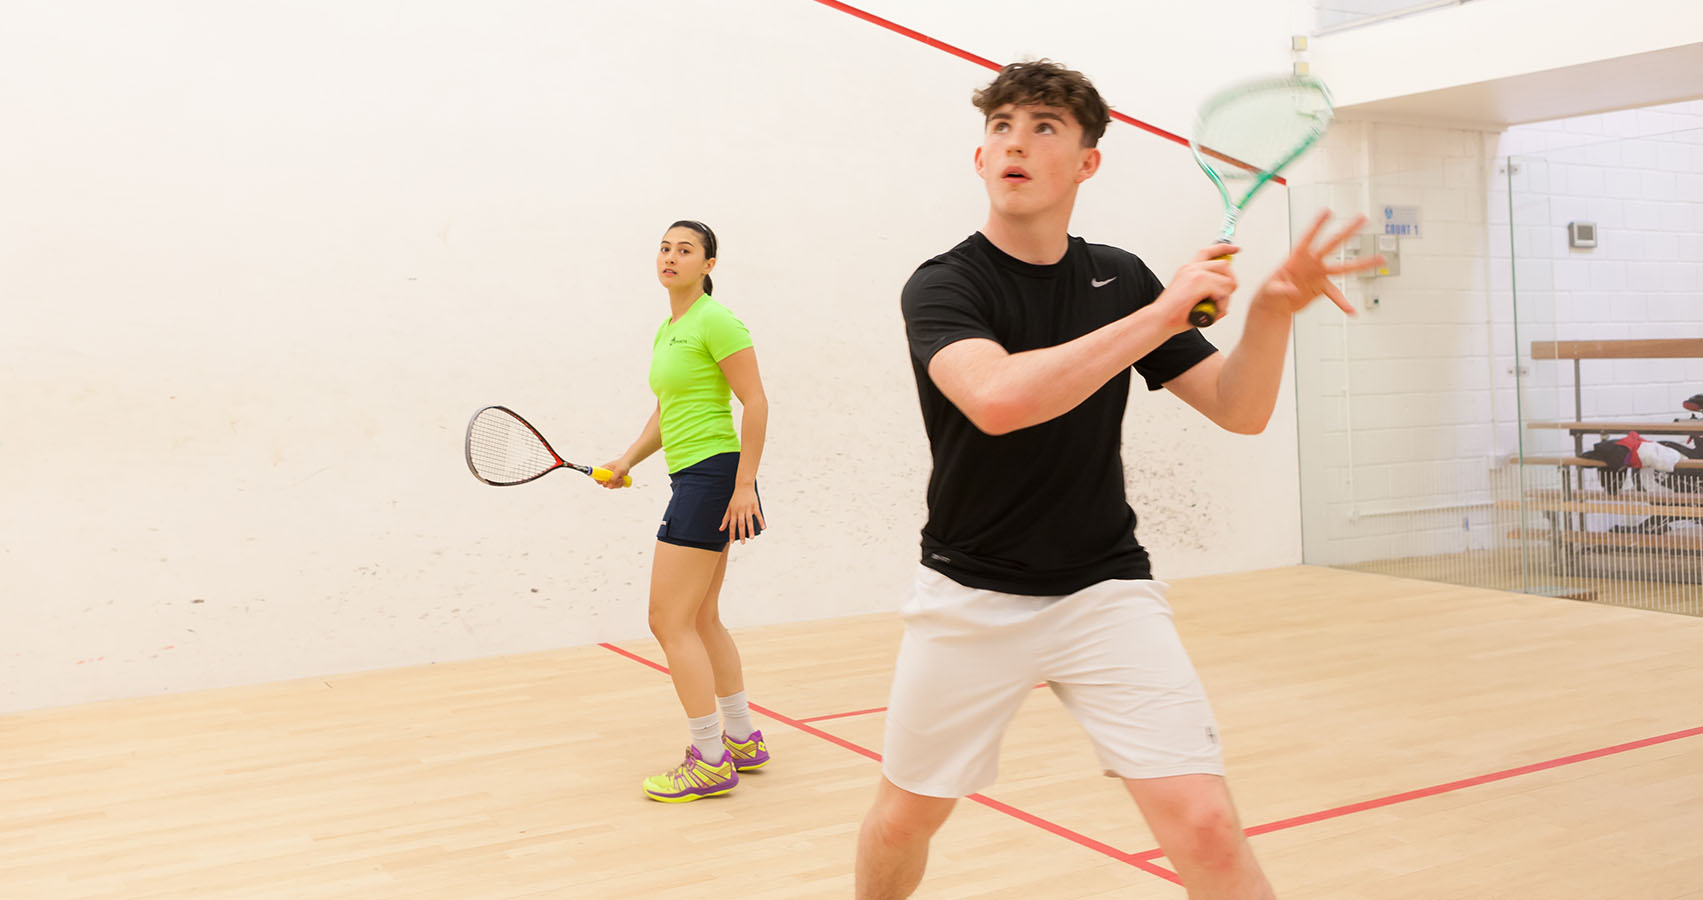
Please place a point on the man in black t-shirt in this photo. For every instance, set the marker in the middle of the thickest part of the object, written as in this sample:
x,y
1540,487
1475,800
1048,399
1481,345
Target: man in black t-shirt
x,y
1022,339
1038,510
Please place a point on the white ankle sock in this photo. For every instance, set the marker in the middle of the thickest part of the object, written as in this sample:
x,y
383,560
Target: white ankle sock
x,y
706,736
736,714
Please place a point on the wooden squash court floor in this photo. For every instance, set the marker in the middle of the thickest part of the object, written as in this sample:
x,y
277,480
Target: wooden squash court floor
x,y
1386,739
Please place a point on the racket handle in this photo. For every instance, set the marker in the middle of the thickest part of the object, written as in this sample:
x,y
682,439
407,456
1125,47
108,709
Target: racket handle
x,y
1205,312
603,475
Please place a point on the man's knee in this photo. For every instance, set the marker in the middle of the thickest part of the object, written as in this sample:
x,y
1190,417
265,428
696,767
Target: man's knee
x,y
1208,833
900,817
1193,817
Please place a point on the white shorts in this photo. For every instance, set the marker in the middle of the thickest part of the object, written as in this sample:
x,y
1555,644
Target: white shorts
x,y
1109,651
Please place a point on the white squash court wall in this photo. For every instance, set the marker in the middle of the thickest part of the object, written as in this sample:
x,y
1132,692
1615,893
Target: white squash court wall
x,y
259,262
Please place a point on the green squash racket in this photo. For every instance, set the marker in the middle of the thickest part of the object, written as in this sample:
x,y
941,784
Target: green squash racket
x,y
1245,135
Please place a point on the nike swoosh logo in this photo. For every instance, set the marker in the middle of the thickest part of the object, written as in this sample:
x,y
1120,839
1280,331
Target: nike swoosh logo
x,y
1097,283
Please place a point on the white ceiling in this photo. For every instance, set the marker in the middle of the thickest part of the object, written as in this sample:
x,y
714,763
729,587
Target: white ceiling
x,y
1644,79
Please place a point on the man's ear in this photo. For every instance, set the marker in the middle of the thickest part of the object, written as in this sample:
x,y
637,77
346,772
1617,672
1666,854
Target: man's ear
x,y
1090,165
978,162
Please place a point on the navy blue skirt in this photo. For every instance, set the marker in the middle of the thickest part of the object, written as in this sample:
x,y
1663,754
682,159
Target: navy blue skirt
x,y
701,494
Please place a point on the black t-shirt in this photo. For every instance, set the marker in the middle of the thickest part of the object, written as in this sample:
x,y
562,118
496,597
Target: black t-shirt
x,y
1040,510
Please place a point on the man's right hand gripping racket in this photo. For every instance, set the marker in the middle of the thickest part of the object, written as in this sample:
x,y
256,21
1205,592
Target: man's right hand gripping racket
x,y
504,449
1245,135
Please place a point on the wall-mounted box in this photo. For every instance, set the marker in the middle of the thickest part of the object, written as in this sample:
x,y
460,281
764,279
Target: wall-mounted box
x,y
1372,244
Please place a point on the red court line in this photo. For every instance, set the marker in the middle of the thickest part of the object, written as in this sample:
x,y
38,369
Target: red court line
x,y
989,802
1452,786
635,657
910,33
807,729
961,53
844,715
1142,859
1139,862
785,720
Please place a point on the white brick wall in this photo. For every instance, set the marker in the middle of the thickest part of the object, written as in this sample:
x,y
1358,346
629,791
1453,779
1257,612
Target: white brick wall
x,y
1638,174
1395,445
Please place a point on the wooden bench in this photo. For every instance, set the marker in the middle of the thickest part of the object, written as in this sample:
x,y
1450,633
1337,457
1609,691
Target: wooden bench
x,y
1692,543
1567,507
1580,462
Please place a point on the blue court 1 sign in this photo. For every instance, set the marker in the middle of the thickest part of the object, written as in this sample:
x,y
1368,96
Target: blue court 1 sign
x,y
1402,221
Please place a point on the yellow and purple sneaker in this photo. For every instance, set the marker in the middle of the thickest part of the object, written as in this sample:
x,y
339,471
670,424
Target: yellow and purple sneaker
x,y
748,754
693,779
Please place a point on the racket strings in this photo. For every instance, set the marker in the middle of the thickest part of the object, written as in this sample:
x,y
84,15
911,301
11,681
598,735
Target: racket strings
x,y
502,449
1252,133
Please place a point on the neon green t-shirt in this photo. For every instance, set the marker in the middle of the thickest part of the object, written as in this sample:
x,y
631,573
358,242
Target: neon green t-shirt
x,y
685,375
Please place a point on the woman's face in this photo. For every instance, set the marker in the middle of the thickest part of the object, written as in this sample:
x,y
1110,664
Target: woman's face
x,y
680,259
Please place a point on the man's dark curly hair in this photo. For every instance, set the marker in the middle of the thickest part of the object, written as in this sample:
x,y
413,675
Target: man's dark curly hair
x,y
1043,82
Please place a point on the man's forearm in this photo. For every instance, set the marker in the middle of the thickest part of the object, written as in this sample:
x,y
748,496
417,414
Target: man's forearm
x,y
1253,371
1007,392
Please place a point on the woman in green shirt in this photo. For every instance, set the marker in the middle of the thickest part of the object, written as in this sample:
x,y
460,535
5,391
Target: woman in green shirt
x,y
701,355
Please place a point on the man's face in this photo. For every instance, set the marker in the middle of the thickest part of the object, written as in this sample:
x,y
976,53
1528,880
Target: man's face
x,y
1032,158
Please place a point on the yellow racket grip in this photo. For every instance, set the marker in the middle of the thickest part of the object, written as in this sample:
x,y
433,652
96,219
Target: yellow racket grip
x,y
603,475
1205,312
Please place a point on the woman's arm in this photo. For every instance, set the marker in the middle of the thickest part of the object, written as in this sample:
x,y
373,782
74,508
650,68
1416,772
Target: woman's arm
x,y
649,441
741,371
